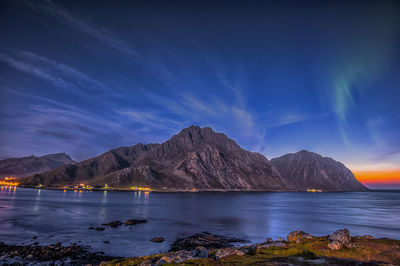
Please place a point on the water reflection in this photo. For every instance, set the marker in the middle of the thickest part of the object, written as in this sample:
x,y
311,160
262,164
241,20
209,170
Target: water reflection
x,y
255,216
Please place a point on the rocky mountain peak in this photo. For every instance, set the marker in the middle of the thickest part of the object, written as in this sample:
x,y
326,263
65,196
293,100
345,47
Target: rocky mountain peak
x,y
309,170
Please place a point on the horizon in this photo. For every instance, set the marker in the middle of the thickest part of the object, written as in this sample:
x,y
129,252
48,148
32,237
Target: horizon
x,y
275,77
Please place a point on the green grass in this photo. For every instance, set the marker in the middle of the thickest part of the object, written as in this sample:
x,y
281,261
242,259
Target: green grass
x,y
376,250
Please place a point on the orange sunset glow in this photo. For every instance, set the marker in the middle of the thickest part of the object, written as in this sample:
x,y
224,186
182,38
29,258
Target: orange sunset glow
x,y
382,177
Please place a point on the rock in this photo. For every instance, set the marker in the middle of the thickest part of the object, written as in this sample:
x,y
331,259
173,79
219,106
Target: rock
x,y
268,240
113,224
99,229
352,245
135,221
164,260
200,252
204,239
367,237
147,262
342,236
176,257
55,254
273,244
157,239
280,239
335,245
225,252
297,235
34,237
249,250
91,228
106,242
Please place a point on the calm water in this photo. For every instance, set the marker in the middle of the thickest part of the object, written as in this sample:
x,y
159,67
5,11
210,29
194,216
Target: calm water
x,y
57,216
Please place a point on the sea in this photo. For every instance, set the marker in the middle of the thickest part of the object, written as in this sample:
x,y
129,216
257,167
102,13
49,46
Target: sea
x,y
52,216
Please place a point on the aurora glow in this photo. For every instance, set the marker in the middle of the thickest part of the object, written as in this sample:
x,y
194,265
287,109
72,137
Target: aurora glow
x,y
82,78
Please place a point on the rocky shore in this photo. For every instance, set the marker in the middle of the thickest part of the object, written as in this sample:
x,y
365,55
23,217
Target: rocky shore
x,y
299,248
50,255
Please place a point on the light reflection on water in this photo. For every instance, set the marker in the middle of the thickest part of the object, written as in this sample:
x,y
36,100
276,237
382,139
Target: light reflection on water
x,y
64,216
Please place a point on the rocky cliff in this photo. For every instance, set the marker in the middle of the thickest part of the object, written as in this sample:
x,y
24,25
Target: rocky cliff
x,y
26,166
307,170
195,158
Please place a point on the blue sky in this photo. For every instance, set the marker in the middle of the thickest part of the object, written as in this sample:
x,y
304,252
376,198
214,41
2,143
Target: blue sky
x,y
83,77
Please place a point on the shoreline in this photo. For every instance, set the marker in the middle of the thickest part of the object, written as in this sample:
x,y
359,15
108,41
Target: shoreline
x,y
190,191
298,248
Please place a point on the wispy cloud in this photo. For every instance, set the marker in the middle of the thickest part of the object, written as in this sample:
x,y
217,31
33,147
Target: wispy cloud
x,y
60,127
62,77
95,31
176,112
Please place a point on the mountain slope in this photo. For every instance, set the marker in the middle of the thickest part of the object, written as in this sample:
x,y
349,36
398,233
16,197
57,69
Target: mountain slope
x,y
308,170
21,167
106,163
195,158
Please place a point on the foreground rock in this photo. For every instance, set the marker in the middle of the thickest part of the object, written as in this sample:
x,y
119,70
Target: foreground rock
x,y
310,250
339,238
52,254
204,239
225,252
296,236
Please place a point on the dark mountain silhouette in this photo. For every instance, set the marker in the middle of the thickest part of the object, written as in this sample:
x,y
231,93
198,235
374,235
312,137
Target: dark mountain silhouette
x,y
202,159
195,158
26,166
307,170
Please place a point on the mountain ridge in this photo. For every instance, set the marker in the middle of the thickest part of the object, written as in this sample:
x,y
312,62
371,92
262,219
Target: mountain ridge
x,y
26,166
309,170
195,158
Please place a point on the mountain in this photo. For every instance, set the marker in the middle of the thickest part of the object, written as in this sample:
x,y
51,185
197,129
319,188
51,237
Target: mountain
x,y
26,166
195,158
308,170
202,159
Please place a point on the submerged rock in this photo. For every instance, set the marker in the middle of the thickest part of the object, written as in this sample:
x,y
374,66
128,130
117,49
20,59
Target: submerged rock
x,y
297,235
204,239
99,229
113,224
135,221
157,239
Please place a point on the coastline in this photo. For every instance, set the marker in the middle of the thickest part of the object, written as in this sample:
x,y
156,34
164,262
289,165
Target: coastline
x,y
298,248
186,190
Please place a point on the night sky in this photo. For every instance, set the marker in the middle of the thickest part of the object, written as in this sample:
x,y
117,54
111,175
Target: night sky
x,y
83,77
